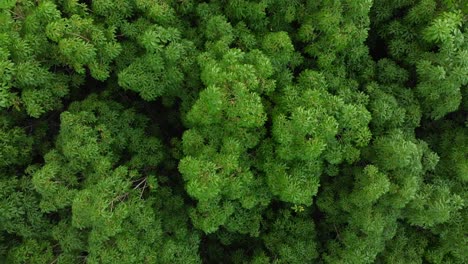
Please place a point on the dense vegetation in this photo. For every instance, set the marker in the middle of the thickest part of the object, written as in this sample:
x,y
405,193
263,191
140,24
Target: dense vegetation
x,y
233,131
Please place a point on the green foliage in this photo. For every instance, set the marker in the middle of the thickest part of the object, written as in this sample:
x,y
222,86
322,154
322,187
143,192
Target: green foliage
x,y
268,131
292,238
32,251
162,68
434,44
42,51
225,123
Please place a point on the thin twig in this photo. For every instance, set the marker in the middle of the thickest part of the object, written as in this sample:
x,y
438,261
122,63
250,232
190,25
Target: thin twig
x,y
337,233
118,198
143,190
142,181
78,35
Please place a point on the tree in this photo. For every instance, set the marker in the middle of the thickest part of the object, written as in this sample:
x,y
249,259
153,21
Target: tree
x,y
240,131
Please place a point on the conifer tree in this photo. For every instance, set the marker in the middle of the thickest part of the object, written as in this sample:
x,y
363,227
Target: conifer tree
x,y
240,131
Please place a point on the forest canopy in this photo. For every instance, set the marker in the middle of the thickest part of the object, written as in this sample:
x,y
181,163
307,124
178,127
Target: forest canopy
x,y
233,131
